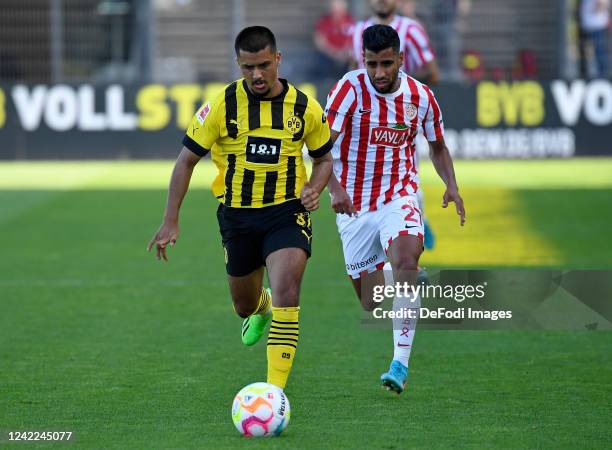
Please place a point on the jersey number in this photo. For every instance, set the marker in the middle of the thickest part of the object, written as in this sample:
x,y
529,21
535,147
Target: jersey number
x,y
261,150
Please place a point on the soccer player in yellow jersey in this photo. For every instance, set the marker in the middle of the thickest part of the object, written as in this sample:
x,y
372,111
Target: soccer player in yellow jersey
x,y
255,130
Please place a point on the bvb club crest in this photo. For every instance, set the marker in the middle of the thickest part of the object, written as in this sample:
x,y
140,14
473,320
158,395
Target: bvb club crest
x,y
294,124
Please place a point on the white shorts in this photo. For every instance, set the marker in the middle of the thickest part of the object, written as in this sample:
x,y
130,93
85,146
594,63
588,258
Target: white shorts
x,y
367,236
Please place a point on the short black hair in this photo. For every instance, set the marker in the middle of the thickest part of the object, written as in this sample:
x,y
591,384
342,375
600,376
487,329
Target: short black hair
x,y
379,37
254,39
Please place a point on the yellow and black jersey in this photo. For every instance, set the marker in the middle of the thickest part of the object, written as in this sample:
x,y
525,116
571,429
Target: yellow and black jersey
x,y
257,143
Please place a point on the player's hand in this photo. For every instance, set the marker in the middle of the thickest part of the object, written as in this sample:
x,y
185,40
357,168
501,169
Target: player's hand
x,y
309,197
167,234
452,195
341,203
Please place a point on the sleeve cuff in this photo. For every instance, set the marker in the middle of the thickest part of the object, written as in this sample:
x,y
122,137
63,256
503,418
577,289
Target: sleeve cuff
x,y
321,151
338,122
194,146
337,129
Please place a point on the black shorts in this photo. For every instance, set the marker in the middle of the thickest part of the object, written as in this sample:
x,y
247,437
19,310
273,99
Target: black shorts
x,y
249,235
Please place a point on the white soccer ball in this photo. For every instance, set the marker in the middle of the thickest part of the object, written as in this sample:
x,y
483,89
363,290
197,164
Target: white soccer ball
x,y
261,409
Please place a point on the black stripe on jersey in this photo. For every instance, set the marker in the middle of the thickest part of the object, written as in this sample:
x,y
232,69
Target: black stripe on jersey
x,y
194,146
321,151
299,109
254,111
280,321
270,187
290,184
229,176
231,110
248,178
277,111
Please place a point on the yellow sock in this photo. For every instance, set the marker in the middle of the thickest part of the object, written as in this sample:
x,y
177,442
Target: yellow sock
x,y
265,302
282,344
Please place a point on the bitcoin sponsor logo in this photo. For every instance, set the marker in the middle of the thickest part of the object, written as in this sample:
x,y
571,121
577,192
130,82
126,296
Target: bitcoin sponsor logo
x,y
362,264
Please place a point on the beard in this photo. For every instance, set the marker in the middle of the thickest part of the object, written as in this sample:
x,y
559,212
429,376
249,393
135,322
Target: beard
x,y
388,88
384,15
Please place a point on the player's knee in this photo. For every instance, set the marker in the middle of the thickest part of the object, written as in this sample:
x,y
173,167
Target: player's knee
x,y
406,263
368,304
243,310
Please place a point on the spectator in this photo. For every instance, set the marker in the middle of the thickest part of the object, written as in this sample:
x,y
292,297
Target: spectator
x,y
525,65
419,58
408,8
594,20
448,16
333,41
472,65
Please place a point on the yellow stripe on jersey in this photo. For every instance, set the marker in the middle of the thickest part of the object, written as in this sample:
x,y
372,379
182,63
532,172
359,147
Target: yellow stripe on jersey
x,y
256,143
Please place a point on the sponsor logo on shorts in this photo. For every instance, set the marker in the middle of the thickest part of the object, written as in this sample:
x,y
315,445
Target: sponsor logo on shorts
x,y
362,264
303,220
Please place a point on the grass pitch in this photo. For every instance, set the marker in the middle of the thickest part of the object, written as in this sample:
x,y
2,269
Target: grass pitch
x,y
98,338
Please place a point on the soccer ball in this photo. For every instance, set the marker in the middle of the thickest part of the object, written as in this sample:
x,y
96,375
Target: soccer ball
x,y
261,409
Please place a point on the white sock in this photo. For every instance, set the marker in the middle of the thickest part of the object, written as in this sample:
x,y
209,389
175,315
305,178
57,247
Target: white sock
x,y
404,328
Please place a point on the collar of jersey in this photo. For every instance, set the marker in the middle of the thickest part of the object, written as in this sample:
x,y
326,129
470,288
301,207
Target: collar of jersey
x,y
271,99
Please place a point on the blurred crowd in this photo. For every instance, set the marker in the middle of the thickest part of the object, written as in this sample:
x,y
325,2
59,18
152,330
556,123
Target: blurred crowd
x,y
335,41
161,40
593,19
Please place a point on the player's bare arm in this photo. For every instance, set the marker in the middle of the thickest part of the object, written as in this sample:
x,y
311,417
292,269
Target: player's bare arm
x,y
321,171
168,232
341,203
442,161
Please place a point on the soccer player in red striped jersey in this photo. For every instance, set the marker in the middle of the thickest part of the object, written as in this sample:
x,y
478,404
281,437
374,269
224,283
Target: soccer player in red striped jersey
x,y
375,115
419,57
419,62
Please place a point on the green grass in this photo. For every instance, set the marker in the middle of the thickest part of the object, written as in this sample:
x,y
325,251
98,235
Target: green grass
x,y
98,338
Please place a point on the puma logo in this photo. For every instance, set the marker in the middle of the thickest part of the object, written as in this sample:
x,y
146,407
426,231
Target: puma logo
x,y
306,234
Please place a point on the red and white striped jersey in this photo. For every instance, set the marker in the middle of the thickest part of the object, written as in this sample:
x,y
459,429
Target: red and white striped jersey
x,y
374,155
413,41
